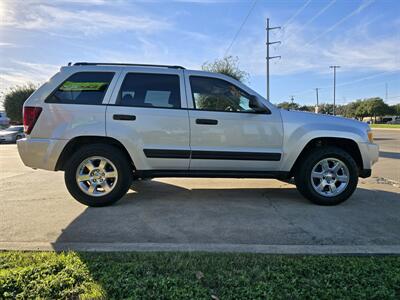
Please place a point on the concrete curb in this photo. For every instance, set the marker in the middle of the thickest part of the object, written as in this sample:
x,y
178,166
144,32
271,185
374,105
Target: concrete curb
x,y
245,248
385,128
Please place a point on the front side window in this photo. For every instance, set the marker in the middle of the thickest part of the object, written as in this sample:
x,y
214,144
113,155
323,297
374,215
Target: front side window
x,y
82,88
150,90
218,95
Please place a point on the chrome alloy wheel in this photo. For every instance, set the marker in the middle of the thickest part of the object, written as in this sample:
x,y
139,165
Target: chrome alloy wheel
x,y
96,176
330,177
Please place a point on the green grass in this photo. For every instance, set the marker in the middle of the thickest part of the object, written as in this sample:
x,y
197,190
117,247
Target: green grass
x,y
385,125
72,275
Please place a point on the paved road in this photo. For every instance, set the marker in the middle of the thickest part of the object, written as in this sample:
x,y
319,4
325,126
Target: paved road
x,y
197,214
389,156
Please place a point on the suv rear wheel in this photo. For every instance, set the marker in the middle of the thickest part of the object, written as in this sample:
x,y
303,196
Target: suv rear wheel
x,y
98,175
327,176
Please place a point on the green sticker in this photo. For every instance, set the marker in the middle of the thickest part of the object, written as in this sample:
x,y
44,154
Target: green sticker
x,y
83,86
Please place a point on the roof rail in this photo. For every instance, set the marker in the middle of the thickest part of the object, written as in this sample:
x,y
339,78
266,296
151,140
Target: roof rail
x,y
122,64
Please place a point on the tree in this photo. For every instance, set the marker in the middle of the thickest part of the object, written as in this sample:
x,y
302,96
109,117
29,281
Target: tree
x,y
362,110
288,105
309,108
228,65
395,109
326,108
14,100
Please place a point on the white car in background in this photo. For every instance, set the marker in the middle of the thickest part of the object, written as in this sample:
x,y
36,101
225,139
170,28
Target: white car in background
x,y
107,124
12,134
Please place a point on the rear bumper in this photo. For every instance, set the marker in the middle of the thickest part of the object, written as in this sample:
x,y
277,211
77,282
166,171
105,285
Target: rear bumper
x,y
40,153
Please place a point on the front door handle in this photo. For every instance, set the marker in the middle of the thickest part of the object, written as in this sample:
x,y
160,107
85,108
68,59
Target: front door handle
x,y
124,117
206,121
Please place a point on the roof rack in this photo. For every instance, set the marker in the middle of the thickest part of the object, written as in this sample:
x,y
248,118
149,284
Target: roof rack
x,y
122,64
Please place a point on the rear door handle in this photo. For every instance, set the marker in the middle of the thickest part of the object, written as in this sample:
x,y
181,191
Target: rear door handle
x,y
124,117
206,121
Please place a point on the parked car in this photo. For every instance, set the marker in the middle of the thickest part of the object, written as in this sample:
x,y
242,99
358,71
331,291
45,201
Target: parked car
x,y
396,120
12,134
105,125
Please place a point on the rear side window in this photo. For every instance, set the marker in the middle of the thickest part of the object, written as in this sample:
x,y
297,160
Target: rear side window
x,y
82,88
150,90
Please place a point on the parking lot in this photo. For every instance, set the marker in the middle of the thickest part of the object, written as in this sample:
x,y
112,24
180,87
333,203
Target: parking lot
x,y
202,214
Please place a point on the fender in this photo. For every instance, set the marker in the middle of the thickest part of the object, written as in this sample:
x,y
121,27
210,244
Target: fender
x,y
305,127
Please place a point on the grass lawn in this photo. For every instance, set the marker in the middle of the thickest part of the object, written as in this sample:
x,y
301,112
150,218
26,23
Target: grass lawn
x,y
384,125
75,275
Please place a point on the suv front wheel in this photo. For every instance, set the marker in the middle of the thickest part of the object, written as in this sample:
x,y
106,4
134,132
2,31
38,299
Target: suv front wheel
x,y
98,175
327,176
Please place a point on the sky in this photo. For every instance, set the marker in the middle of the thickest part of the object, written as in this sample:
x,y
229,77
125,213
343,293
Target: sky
x,y
37,37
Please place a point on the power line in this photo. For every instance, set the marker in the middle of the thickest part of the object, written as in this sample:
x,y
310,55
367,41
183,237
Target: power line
x,y
325,8
240,28
296,13
309,90
353,13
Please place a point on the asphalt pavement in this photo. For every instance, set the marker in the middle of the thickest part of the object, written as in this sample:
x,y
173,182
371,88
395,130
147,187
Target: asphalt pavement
x,y
250,215
389,154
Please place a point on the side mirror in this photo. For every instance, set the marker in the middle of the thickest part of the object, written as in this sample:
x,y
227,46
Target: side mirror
x,y
254,105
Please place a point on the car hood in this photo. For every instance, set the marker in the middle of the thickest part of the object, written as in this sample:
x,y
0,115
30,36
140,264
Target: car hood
x,y
309,117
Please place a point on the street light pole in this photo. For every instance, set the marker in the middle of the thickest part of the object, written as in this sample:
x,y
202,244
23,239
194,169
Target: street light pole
x,y
317,106
334,87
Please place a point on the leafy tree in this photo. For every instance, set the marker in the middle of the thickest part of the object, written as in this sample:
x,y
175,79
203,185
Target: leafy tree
x,y
326,108
14,100
309,108
349,110
376,107
395,109
288,105
362,110
228,65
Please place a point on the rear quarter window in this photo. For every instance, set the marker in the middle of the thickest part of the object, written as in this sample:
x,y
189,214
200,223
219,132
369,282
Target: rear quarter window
x,y
150,90
82,88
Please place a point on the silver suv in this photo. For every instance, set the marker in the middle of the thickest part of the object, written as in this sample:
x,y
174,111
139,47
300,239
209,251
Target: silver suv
x,y
108,124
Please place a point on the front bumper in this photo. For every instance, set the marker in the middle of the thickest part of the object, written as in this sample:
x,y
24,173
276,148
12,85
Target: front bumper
x,y
40,153
365,173
370,155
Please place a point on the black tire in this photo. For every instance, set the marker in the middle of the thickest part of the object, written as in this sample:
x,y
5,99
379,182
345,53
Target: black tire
x,y
118,158
303,175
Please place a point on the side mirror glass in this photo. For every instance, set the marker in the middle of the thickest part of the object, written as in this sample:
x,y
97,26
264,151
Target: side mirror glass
x,y
254,105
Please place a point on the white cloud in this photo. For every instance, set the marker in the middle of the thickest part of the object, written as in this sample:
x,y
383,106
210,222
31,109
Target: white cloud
x,y
11,45
39,16
358,49
22,72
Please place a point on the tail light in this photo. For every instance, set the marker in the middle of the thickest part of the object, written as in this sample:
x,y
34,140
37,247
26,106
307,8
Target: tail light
x,y
31,114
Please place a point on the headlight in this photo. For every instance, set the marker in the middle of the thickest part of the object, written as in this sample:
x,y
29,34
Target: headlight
x,y
370,136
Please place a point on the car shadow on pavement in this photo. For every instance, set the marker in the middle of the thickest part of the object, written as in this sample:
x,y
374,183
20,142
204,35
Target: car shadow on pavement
x,y
158,212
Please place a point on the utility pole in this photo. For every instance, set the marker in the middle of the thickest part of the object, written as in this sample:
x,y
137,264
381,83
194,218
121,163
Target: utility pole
x,y
291,99
270,57
334,87
317,106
